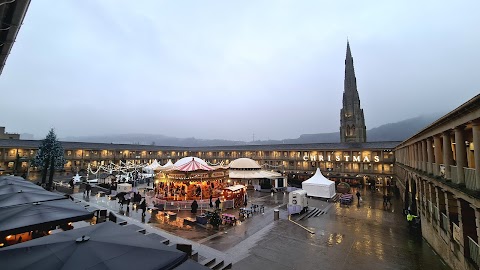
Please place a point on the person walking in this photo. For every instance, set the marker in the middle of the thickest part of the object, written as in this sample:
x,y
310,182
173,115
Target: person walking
x,y
359,197
143,206
88,189
194,207
410,218
217,203
211,202
127,201
389,199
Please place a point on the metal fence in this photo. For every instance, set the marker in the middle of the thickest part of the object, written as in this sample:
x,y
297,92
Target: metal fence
x,y
186,205
454,174
470,178
474,251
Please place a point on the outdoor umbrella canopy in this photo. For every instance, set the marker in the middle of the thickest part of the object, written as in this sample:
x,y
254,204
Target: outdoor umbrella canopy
x,y
10,188
21,195
15,180
31,216
103,246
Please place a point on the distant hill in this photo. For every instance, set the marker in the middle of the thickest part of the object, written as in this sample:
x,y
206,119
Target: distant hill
x,y
398,131
150,139
402,130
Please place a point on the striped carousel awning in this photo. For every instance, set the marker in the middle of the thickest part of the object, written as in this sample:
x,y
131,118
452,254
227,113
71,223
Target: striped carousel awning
x,y
193,165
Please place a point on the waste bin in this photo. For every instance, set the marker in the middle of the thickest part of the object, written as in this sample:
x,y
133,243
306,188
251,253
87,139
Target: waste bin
x,y
276,214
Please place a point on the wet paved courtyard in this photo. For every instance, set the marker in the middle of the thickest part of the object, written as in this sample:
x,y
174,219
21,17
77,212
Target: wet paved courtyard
x,y
366,236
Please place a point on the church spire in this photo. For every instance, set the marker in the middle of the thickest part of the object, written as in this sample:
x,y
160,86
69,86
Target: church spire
x,y
352,121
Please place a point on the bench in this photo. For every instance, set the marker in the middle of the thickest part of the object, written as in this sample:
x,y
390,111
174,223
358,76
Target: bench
x,y
245,213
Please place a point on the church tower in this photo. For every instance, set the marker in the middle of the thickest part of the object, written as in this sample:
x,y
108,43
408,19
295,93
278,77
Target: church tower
x,y
352,122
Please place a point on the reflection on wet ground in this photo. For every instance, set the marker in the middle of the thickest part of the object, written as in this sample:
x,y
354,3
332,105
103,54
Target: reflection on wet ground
x,y
365,236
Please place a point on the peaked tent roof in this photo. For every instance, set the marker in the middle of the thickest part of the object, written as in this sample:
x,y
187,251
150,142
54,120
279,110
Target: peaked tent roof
x,y
193,165
169,164
153,166
318,179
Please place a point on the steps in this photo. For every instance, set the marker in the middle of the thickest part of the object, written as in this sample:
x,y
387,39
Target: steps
x,y
312,212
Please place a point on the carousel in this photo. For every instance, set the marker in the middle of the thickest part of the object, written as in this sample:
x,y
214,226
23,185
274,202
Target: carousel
x,y
190,178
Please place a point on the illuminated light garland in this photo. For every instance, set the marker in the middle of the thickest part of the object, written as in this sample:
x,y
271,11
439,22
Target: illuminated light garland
x,y
110,168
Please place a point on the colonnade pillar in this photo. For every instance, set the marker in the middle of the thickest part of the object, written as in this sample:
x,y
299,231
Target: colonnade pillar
x,y
438,154
460,153
429,155
447,153
424,155
460,222
476,152
477,222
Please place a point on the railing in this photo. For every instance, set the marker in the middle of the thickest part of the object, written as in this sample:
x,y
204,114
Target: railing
x,y
436,215
474,251
453,174
186,205
470,181
444,223
436,169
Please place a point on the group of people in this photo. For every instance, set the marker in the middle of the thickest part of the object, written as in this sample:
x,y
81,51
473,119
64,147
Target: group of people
x,y
194,205
135,198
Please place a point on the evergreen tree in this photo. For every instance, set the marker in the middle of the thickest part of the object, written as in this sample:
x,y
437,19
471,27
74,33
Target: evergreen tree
x,y
50,156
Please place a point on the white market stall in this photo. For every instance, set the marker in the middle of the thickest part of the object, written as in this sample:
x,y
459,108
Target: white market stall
x,y
319,186
247,171
152,167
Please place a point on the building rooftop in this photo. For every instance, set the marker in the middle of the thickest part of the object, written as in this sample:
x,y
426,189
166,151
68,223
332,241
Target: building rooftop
x,y
12,14
269,147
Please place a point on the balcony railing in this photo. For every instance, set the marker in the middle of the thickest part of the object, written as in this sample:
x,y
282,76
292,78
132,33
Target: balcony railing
x,y
474,251
470,178
436,169
444,222
429,167
454,174
436,215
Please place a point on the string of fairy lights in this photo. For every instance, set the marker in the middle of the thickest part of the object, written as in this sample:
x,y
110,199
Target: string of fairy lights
x,y
130,167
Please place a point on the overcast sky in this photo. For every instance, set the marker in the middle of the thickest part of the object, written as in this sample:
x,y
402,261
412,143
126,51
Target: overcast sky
x,y
228,69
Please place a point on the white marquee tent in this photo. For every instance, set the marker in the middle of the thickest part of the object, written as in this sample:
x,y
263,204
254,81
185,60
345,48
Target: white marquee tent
x,y
319,186
150,168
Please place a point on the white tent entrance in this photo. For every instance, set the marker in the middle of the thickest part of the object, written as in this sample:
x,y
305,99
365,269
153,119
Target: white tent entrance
x,y
319,186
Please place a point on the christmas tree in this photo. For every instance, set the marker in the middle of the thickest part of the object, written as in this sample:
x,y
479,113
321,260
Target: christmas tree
x,y
215,220
50,156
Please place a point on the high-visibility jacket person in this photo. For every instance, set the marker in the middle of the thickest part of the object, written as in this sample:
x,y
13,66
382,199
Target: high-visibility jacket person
x,y
410,217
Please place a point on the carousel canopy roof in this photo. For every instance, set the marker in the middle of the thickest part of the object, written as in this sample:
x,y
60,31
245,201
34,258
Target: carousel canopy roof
x,y
186,160
193,165
244,164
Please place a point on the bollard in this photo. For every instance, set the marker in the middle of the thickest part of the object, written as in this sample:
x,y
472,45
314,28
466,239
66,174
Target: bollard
x,y
276,214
